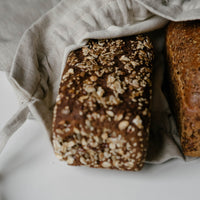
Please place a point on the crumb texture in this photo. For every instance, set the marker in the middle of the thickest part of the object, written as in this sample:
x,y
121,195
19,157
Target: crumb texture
x,y
102,117
183,53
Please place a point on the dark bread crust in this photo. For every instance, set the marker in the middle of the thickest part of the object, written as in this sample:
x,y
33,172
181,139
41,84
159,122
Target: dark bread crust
x,y
183,54
102,117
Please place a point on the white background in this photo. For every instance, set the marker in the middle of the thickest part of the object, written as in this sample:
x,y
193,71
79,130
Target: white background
x,y
30,171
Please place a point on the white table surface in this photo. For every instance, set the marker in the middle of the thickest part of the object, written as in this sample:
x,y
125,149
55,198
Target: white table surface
x,y
30,171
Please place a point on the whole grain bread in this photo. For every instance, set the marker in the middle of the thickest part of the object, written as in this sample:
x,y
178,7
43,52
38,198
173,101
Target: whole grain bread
x,y
102,113
183,54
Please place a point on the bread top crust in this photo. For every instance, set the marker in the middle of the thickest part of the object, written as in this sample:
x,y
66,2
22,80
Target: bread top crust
x,y
101,117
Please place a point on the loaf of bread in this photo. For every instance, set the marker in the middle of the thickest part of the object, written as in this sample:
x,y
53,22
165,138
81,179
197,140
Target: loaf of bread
x,y
102,116
183,53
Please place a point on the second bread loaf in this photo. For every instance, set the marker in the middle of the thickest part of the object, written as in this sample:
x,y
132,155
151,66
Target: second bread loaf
x,y
183,51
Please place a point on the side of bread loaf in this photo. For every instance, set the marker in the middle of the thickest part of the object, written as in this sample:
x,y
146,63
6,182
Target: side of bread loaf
x,y
102,117
183,53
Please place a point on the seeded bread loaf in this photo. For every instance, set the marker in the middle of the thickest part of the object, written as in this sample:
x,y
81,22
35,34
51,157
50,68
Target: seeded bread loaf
x,y
183,52
102,116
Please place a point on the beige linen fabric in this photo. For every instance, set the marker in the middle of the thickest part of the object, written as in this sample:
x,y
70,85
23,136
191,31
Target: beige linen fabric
x,y
42,52
15,17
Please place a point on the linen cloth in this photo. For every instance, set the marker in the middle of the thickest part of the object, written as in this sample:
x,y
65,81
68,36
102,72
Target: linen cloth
x,y
40,57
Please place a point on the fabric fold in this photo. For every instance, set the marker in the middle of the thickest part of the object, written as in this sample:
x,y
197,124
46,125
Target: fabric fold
x,y
174,10
13,125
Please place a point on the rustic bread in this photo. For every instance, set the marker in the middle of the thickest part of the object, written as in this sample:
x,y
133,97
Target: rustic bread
x,y
102,116
183,53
